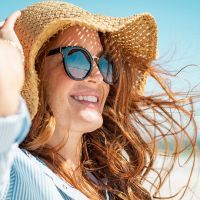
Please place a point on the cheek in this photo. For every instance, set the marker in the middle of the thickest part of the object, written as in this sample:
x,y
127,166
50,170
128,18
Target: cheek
x,y
58,89
106,92
107,89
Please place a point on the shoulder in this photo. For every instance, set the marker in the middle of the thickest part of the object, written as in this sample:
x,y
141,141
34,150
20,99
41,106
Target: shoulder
x,y
42,179
28,170
27,180
23,159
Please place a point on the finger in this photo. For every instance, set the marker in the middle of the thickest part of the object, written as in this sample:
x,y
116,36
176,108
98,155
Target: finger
x,y
10,21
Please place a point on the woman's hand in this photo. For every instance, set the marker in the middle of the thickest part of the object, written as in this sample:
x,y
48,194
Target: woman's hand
x,y
11,66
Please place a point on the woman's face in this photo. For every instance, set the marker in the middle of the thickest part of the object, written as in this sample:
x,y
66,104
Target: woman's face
x,y
64,94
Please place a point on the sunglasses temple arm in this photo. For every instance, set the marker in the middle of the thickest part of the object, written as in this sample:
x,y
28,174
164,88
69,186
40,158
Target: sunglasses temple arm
x,y
54,51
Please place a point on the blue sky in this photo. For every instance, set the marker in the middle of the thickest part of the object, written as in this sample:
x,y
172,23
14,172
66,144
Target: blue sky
x,y
178,23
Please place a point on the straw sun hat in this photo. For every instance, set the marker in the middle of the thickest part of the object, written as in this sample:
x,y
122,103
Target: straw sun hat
x,y
136,35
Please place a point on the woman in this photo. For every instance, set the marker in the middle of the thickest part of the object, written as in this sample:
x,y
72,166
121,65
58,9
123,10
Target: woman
x,y
84,79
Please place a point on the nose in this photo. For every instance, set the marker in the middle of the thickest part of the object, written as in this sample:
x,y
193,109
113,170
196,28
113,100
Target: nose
x,y
95,75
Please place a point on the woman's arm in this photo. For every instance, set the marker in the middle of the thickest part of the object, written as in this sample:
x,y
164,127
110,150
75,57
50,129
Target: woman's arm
x,y
11,66
14,116
13,130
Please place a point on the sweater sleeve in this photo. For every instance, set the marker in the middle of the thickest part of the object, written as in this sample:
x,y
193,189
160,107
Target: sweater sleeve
x,y
13,130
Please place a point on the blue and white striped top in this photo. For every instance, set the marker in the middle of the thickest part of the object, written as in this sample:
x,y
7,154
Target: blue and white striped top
x,y
23,176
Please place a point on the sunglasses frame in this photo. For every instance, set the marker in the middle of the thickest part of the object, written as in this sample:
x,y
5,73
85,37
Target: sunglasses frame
x,y
66,49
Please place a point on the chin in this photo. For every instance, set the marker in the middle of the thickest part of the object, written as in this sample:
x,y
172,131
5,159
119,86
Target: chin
x,y
91,119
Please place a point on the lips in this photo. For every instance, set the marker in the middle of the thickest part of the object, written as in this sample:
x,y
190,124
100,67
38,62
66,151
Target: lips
x,y
90,99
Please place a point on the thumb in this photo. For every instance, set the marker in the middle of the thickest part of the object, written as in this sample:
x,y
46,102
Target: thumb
x,y
10,21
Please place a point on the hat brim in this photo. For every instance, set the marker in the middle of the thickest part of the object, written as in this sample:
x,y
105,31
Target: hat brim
x,y
136,35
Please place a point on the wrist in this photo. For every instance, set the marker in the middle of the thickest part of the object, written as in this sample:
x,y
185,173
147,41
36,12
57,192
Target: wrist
x,y
9,105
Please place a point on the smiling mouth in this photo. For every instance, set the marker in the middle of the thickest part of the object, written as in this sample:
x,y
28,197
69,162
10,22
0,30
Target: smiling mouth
x,y
91,101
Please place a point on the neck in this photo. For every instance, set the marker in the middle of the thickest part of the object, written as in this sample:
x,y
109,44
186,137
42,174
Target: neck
x,y
71,151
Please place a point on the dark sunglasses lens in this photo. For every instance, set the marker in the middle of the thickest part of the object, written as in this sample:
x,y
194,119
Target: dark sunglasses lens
x,y
78,63
106,68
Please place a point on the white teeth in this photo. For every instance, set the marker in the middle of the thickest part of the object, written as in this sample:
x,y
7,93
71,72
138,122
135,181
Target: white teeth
x,y
86,98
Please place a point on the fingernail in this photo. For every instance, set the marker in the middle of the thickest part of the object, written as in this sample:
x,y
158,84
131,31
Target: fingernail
x,y
18,11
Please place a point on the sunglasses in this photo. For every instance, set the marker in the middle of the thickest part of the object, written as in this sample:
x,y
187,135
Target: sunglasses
x,y
78,63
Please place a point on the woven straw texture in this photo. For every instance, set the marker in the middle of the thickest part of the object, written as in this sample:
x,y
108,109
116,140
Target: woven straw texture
x,y
135,35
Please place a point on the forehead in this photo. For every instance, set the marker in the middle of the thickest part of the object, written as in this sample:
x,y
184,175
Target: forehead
x,y
78,36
